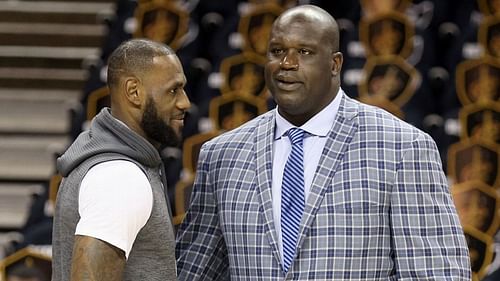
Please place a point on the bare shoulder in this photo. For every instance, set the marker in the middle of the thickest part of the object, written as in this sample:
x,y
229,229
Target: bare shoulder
x,y
94,259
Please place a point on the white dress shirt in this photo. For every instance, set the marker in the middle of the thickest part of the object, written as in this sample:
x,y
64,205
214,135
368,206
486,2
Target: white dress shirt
x,y
316,129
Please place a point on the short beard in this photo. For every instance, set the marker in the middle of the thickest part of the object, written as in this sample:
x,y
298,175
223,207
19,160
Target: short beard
x,y
156,129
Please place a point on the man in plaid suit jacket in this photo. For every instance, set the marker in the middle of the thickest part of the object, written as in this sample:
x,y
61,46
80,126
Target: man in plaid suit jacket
x,y
377,205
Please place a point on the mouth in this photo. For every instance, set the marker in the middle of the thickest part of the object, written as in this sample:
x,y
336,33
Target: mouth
x,y
177,120
287,83
177,123
179,117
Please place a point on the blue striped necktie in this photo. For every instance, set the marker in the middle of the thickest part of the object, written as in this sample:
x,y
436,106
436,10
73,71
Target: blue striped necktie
x,y
292,196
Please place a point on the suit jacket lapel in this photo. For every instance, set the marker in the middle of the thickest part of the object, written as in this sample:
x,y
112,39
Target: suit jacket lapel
x,y
339,137
263,153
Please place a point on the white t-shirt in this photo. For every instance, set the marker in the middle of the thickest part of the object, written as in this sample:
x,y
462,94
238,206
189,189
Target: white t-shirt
x,y
115,202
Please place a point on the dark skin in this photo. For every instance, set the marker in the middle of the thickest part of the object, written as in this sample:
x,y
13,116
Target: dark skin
x,y
94,259
163,86
303,68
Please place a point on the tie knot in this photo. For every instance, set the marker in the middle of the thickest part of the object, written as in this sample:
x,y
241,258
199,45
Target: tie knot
x,y
296,135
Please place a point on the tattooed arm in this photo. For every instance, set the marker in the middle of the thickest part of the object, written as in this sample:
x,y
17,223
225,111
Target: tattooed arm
x,y
96,260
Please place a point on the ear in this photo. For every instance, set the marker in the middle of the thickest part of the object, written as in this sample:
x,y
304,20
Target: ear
x,y
337,60
133,90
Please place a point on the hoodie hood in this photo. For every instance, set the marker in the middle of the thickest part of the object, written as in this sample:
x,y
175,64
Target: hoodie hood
x,y
108,135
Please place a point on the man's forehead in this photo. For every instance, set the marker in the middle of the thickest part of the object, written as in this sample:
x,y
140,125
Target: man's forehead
x,y
168,61
163,58
289,27
293,23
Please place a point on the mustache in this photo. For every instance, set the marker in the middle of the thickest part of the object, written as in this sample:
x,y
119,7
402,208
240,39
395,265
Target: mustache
x,y
179,116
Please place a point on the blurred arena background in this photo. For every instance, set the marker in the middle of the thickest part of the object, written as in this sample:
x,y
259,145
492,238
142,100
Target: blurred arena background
x,y
433,63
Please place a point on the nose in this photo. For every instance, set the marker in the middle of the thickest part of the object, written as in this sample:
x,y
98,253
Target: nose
x,y
289,61
183,102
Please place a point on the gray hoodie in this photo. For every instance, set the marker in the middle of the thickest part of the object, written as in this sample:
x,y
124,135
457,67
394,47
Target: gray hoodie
x,y
153,253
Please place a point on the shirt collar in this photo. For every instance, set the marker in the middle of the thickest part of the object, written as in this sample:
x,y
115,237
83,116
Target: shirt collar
x,y
319,125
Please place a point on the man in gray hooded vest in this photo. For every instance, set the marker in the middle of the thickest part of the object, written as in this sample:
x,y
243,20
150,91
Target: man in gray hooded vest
x,y
112,219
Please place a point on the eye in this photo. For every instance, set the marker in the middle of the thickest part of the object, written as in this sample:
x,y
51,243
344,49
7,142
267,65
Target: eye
x,y
305,51
174,91
276,51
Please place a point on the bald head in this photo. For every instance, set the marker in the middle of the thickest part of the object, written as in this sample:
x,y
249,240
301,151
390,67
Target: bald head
x,y
313,14
304,63
134,57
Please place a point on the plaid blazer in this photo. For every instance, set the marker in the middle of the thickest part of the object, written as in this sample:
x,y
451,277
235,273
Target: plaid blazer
x,y
378,209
